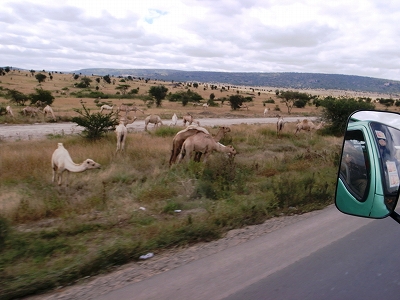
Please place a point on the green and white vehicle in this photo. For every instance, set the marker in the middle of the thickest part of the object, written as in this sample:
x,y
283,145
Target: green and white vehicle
x,y
369,174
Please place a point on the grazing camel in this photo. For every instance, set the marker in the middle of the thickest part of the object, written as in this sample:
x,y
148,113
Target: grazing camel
x,y
121,131
279,125
33,111
189,119
106,107
204,143
49,111
61,161
128,108
266,111
9,111
40,104
307,125
205,105
174,120
182,135
155,119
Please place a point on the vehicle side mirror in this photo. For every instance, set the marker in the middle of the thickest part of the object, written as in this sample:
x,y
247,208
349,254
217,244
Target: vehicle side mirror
x,y
369,173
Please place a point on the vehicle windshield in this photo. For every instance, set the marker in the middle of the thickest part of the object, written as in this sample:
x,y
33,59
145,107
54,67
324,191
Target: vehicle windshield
x,y
387,140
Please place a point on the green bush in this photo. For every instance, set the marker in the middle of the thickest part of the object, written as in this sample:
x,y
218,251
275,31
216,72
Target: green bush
x,y
337,111
95,124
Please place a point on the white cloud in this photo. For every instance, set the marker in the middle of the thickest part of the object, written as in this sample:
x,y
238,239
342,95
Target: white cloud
x,y
341,37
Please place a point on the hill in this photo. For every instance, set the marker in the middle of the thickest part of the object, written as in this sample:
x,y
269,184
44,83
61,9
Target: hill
x,y
291,80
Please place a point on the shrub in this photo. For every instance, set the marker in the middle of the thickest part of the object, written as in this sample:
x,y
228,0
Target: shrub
x,y
95,124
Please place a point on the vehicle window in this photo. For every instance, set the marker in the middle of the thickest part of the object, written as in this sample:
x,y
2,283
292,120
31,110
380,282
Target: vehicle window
x,y
354,167
387,142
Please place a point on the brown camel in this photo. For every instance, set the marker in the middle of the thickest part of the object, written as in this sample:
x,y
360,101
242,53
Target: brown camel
x,y
154,119
128,108
182,135
204,143
307,125
189,119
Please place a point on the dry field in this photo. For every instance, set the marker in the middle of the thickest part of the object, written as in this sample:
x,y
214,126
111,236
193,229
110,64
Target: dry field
x,y
62,85
62,234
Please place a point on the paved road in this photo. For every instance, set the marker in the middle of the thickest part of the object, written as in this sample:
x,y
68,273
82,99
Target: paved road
x,y
315,246
41,130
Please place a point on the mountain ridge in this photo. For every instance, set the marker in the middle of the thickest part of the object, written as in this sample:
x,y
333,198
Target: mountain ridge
x,y
290,80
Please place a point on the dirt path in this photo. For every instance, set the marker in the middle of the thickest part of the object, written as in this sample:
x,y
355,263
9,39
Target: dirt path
x,y
41,130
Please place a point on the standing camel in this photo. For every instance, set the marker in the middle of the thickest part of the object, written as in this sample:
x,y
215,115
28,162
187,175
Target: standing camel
x,y
307,125
155,119
121,131
106,107
33,111
182,135
204,143
49,111
189,119
128,108
174,120
61,161
9,111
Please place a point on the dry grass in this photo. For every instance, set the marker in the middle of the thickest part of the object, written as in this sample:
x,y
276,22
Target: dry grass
x,y
99,221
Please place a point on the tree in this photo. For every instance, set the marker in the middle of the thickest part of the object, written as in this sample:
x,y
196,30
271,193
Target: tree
x,y
98,80
17,97
386,102
236,101
195,85
40,77
95,124
337,111
123,88
290,98
107,79
212,96
43,96
76,76
86,81
159,93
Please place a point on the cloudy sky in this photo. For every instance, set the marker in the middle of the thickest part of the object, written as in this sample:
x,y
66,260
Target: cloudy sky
x,y
353,37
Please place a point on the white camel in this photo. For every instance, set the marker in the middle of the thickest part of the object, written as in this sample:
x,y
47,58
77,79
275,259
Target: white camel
x,y
205,105
61,161
205,144
121,132
49,111
155,119
106,107
307,125
9,111
266,111
174,120
279,125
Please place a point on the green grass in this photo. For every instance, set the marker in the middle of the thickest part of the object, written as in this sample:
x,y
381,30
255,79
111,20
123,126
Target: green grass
x,y
52,236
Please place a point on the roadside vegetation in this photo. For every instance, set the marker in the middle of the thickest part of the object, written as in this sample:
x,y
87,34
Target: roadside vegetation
x,y
51,236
